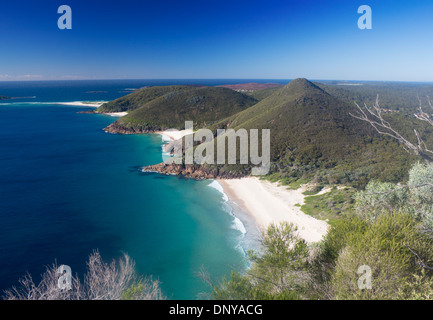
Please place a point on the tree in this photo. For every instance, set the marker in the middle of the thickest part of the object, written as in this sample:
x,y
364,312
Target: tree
x,y
420,183
415,198
374,117
379,198
279,272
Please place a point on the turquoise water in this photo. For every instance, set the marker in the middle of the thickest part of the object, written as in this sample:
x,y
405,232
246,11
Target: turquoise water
x,y
67,188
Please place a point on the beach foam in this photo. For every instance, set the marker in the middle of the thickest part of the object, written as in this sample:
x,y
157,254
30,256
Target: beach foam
x,y
165,140
237,223
216,185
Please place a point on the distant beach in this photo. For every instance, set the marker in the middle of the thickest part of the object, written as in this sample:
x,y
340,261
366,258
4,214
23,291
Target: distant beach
x,y
116,114
95,104
173,134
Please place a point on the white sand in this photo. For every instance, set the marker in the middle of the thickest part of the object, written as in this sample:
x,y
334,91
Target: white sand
x,y
174,134
117,114
268,203
95,104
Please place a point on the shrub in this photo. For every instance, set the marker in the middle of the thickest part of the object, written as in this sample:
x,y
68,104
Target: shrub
x,y
280,272
103,281
393,248
380,197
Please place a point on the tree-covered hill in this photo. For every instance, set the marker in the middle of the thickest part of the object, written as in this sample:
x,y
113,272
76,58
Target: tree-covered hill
x,y
160,108
311,129
313,135
139,98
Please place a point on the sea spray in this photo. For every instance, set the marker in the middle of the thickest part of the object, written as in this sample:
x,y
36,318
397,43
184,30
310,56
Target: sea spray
x,y
165,140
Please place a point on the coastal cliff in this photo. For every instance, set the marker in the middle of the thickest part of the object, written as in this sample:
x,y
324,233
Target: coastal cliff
x,y
117,127
194,171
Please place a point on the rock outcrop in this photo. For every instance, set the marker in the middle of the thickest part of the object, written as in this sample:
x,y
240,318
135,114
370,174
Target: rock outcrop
x,y
197,172
115,127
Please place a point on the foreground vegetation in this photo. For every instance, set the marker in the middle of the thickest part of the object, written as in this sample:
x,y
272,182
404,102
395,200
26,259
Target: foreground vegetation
x,y
390,234
117,280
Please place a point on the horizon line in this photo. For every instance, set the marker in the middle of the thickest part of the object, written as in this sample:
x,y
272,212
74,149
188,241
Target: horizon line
x,y
150,79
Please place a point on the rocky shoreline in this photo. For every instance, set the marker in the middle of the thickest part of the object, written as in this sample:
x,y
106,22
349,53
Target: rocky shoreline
x,y
192,171
116,128
197,172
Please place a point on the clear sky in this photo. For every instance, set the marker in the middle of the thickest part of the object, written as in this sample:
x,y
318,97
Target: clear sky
x,y
269,39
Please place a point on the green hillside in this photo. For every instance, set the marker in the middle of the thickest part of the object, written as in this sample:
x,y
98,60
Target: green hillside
x,y
311,130
139,98
313,136
203,105
301,116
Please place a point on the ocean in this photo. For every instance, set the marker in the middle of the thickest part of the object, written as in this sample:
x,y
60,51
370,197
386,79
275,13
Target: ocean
x,y
68,188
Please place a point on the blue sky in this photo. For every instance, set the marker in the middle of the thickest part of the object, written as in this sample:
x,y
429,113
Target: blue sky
x,y
270,39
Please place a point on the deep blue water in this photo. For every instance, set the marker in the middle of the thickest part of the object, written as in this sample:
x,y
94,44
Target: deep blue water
x,y
68,188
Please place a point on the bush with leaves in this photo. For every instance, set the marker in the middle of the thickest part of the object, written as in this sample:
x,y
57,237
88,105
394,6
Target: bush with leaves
x,y
379,197
421,190
415,198
280,272
420,287
395,250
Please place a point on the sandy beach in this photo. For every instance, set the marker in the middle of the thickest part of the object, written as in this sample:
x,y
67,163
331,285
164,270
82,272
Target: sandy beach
x,y
116,114
174,134
267,203
95,104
